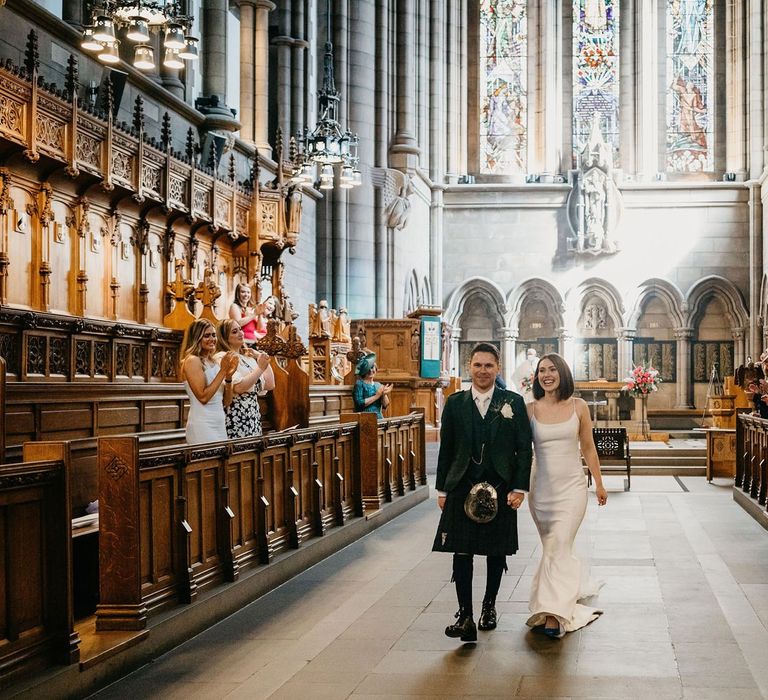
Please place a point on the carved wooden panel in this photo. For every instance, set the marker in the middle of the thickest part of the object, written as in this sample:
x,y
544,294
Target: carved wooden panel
x,y
35,610
202,484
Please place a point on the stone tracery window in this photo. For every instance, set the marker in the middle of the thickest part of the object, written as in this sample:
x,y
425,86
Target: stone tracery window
x,y
596,72
690,85
503,86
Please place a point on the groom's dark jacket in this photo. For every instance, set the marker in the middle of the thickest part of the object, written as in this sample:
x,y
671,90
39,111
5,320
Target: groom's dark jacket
x,y
508,443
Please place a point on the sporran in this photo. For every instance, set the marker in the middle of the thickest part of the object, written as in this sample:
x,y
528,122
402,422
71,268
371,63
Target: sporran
x,y
482,503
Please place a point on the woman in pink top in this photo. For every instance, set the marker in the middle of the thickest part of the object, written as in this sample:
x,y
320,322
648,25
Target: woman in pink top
x,y
244,313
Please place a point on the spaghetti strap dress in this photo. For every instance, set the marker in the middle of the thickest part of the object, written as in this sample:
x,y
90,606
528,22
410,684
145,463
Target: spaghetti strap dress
x,y
558,501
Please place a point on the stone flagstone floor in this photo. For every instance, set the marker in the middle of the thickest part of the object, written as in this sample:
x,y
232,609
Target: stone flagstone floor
x,y
685,600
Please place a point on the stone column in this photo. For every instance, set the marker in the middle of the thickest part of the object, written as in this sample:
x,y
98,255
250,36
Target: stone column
x,y
298,69
736,136
436,213
684,385
170,80
508,352
382,126
755,266
213,101
452,102
567,347
261,77
72,13
755,88
404,152
628,73
738,347
338,197
437,92
551,77
456,370
646,66
283,49
359,94
625,344
247,66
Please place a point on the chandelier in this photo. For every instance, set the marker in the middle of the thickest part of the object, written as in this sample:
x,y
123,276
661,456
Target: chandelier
x,y
139,18
328,144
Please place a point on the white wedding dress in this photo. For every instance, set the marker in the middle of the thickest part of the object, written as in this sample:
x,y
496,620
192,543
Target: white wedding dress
x,y
558,501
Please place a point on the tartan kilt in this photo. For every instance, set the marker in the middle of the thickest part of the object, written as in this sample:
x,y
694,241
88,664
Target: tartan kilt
x,y
457,533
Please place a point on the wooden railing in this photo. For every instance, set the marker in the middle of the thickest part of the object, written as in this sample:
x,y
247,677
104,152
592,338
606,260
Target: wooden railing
x,y
174,522
752,457
36,620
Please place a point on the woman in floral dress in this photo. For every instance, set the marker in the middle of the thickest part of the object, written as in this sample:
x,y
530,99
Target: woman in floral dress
x,y
253,373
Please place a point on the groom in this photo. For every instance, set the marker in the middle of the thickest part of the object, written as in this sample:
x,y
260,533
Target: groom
x,y
485,437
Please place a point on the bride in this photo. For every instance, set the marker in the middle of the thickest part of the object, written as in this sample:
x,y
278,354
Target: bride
x,y
558,499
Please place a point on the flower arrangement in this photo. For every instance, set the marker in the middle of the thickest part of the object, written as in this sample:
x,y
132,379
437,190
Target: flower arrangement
x,y
642,381
527,383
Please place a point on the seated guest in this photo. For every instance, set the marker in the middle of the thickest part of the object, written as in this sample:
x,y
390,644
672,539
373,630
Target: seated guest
x,y
264,311
370,396
254,373
245,313
208,383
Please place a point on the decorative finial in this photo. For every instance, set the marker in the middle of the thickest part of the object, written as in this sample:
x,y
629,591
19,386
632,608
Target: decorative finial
x,y
190,146
165,131
31,55
72,80
138,115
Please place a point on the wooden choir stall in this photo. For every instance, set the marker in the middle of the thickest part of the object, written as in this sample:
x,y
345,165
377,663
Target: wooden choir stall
x,y
112,241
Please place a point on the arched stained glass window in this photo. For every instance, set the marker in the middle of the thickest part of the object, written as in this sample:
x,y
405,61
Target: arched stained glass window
x,y
690,85
503,86
596,72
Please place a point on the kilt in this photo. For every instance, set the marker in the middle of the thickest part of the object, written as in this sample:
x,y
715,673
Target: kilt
x,y
457,533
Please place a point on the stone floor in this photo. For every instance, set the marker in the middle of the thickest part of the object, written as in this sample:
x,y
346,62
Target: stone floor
x,y
685,600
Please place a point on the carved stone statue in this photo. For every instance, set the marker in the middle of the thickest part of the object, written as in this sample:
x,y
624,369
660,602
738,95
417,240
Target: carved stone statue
x,y
398,189
595,202
319,320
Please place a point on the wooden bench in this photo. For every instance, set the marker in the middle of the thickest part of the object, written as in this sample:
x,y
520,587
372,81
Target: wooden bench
x,y
36,605
175,522
612,444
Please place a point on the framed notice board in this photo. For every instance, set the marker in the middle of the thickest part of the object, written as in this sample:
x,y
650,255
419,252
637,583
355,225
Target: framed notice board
x,y
430,347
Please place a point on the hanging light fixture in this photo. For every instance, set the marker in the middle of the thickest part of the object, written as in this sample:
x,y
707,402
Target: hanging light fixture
x,y
140,18
328,143
144,57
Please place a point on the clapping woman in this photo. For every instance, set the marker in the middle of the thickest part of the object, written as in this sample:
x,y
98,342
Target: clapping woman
x,y
247,315
369,395
208,383
253,371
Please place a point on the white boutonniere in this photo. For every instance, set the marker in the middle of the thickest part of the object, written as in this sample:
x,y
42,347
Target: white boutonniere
x,y
506,411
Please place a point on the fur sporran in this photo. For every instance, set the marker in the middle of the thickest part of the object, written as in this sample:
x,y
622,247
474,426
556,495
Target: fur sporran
x,y
482,503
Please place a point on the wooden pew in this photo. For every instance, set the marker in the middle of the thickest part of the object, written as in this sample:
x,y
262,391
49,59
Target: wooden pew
x,y
36,617
392,456
174,522
751,482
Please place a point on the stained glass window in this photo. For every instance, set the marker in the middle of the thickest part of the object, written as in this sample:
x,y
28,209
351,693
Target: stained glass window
x,y
690,85
595,72
503,86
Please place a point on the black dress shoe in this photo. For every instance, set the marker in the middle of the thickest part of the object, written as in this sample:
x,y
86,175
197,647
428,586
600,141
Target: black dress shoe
x,y
464,628
487,619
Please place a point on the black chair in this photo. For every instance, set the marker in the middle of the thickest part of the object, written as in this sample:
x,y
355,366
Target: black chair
x,y
612,444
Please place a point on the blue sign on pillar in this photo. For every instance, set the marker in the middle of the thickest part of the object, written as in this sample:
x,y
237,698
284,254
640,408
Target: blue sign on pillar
x,y
430,347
